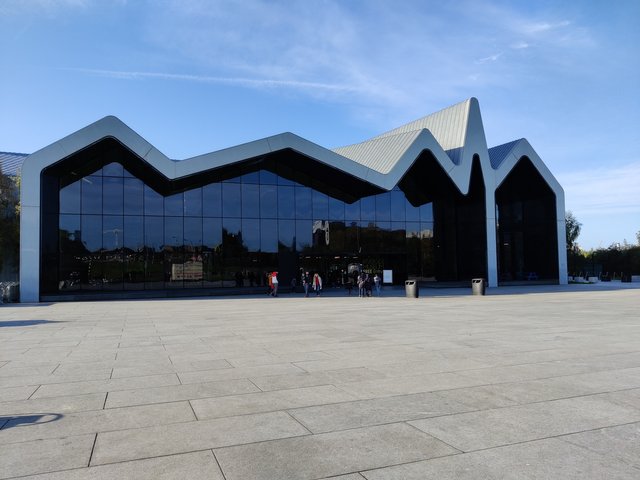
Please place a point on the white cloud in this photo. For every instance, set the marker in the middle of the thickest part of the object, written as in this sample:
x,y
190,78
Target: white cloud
x,y
603,190
533,28
490,58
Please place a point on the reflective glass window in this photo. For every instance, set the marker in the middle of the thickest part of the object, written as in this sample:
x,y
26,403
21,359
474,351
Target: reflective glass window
x,y
398,201
268,201
383,207
112,195
212,200
252,177
153,233
127,174
154,257
70,198
287,235
368,208
91,232
285,181
426,230
250,200
413,230
336,209
192,234
91,195
268,178
320,206
286,202
412,213
113,170
303,203
304,233
173,232
426,212
112,232
174,205
269,235
153,202
69,229
193,203
133,196
212,233
352,210
133,232
251,234
231,200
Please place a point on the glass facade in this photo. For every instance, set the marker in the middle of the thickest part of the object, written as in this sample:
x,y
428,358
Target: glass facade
x,y
106,229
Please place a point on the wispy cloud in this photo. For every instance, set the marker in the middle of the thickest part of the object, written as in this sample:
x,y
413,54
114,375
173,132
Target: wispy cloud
x,y
490,58
603,190
533,28
243,82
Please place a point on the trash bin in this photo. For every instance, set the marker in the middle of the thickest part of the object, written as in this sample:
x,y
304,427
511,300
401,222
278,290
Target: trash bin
x,y
477,286
411,288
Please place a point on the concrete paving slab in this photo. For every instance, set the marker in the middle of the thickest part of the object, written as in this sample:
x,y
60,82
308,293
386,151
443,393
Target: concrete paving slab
x,y
175,393
341,416
148,442
66,404
19,459
109,385
508,425
188,466
539,460
37,427
350,451
236,373
332,377
10,394
268,401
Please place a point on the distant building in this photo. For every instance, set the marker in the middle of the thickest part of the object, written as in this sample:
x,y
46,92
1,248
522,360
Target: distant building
x,y
104,211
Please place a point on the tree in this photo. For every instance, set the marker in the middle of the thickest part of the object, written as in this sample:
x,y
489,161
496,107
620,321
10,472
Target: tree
x,y
573,227
9,226
638,237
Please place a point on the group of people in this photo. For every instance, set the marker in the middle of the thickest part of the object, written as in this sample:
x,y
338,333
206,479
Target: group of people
x,y
314,283
366,283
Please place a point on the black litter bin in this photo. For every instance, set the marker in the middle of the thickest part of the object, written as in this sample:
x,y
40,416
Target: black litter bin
x,y
477,286
411,288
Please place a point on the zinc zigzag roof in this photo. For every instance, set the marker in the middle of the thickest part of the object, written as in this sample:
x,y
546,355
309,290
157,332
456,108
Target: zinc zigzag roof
x,y
454,135
10,162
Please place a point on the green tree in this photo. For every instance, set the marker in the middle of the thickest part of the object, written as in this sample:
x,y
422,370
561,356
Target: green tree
x,y
573,227
9,225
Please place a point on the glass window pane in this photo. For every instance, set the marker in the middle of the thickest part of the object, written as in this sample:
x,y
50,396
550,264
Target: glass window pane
x,y
174,205
303,204
398,206
303,234
112,195
192,234
193,203
193,265
70,198
112,232
92,232
413,230
69,228
127,174
154,257
133,196
269,235
251,234
352,211
153,202
231,200
426,212
268,201
286,202
212,200
133,232
336,209
212,233
287,235
173,250
320,206
252,177
173,234
250,200
112,170
383,207
426,230
91,194
368,208
412,213
268,178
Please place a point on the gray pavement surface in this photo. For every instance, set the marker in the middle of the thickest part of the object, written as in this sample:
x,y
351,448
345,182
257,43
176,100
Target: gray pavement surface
x,y
533,382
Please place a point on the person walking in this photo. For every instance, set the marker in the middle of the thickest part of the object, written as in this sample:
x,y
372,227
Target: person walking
x,y
274,282
317,284
361,282
377,281
306,281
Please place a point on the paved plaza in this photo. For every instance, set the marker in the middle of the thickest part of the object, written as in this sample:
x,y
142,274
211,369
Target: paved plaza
x,y
523,383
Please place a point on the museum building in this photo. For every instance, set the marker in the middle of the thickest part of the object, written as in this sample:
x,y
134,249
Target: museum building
x,y
106,214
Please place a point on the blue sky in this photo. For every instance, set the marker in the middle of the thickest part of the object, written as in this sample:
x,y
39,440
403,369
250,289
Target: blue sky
x,y
194,76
